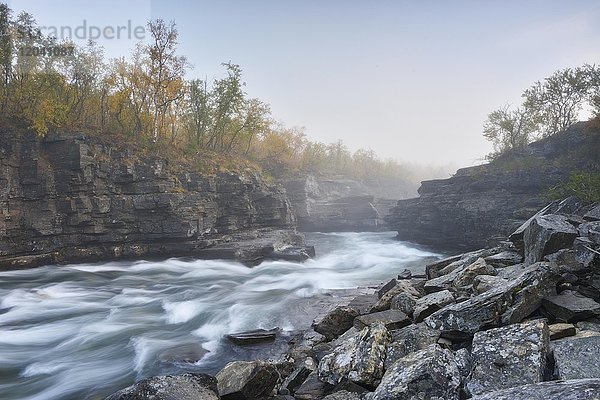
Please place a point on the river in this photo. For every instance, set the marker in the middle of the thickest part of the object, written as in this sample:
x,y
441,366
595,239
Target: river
x,y
84,331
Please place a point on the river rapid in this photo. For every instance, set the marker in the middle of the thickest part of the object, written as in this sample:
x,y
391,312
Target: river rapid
x,y
84,331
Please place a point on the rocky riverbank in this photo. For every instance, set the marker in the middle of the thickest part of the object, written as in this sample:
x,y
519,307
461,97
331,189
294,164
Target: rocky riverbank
x,y
75,198
520,320
483,204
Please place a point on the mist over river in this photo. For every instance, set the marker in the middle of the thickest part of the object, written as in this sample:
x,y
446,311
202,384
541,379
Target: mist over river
x,y
85,331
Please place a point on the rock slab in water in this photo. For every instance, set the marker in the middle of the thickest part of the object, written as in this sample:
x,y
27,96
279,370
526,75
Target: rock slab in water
x,y
431,373
335,322
508,303
169,387
360,358
570,306
246,380
255,336
577,357
581,389
510,356
547,234
392,319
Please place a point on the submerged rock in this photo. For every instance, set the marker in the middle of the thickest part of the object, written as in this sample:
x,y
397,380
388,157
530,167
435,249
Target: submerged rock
x,y
180,387
254,336
360,358
431,373
246,380
510,356
583,389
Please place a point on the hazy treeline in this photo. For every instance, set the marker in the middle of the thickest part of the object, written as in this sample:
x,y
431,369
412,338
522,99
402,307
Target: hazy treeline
x,y
147,99
549,106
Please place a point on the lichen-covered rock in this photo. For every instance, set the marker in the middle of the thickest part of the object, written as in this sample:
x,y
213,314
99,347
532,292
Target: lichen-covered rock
x,y
335,322
246,380
431,373
404,302
581,389
464,361
392,319
427,305
180,387
360,358
504,259
483,283
571,306
385,302
546,235
577,357
510,356
506,304
466,276
343,395
408,340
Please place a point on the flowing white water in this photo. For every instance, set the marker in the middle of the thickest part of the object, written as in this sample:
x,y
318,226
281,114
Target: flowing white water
x,y
85,331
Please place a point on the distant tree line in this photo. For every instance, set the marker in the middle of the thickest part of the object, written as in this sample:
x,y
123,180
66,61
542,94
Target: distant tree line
x,y
549,106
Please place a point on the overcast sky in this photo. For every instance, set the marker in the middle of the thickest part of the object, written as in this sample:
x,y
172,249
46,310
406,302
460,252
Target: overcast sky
x,y
412,80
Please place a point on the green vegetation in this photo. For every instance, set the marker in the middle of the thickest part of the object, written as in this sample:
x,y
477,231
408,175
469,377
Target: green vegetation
x,y
549,106
584,185
146,100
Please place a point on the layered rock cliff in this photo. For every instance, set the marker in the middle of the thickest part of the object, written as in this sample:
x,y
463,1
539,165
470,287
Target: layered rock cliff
x,y
73,198
480,205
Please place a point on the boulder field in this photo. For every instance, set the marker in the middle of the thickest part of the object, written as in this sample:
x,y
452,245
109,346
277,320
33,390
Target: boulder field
x,y
517,321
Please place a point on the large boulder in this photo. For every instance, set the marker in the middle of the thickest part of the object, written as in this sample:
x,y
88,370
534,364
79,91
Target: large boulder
x,y
360,358
392,319
241,380
335,322
547,234
570,306
466,276
403,286
510,356
170,387
408,340
577,357
431,373
404,302
582,389
505,304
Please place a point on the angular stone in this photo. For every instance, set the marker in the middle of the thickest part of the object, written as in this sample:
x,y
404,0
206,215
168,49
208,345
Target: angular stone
x,y
504,259
312,388
386,288
559,331
427,305
466,276
510,356
546,235
254,336
405,274
577,358
404,302
590,230
360,358
570,306
593,214
431,373
296,378
582,389
246,380
588,326
335,322
386,300
464,362
432,270
392,319
506,304
517,237
343,395
181,387
483,283
409,340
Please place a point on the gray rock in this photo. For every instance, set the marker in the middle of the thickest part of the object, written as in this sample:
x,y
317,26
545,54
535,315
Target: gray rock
x,y
464,362
431,373
510,356
404,302
483,283
360,358
296,378
504,259
405,274
180,387
517,237
546,235
593,214
506,304
427,305
590,230
386,300
466,276
335,322
392,319
559,331
570,306
409,340
588,326
312,388
432,270
583,389
343,395
386,288
577,358
246,380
